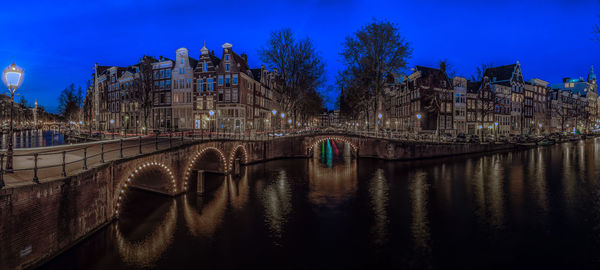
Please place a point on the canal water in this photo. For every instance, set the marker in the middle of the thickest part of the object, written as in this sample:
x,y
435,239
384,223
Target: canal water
x,y
531,209
33,138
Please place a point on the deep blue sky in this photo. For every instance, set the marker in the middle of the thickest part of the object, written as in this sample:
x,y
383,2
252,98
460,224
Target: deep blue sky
x,y
57,42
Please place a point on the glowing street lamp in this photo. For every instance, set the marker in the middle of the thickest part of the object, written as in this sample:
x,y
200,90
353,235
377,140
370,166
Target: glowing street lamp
x,y
418,121
12,76
212,113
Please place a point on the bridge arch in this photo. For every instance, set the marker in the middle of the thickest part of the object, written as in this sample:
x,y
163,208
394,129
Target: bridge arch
x,y
200,153
144,167
233,153
317,140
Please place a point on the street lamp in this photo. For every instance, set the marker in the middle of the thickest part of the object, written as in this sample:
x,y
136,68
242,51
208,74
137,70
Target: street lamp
x,y
282,123
212,113
12,76
112,125
418,122
496,126
377,124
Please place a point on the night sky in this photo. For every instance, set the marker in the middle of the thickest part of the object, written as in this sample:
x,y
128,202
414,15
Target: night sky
x,y
58,42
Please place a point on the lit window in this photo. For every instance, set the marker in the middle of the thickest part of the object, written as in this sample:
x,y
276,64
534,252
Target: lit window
x,y
210,86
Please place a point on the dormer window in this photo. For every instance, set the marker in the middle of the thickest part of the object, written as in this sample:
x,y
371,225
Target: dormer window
x,y
227,57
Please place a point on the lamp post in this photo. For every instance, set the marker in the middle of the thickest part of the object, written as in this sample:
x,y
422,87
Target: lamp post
x,y
377,124
12,76
282,123
496,125
273,122
211,113
539,128
112,125
418,123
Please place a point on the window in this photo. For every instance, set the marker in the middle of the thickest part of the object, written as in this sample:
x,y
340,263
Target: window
x,y
227,57
227,67
168,73
176,85
188,83
235,79
162,84
227,81
182,60
235,95
181,70
210,85
204,66
162,73
200,86
220,79
168,83
156,74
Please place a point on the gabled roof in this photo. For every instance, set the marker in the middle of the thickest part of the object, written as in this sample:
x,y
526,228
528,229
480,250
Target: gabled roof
x,y
243,64
434,73
473,87
193,62
500,74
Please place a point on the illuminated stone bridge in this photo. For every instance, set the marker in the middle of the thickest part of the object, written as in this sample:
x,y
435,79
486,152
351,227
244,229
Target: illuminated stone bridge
x,y
39,220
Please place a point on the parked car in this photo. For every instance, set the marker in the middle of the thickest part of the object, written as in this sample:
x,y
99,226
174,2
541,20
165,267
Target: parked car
x,y
474,139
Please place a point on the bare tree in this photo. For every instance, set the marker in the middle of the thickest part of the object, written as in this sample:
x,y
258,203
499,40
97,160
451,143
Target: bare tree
x,y
70,101
370,55
300,69
480,70
143,88
487,100
448,68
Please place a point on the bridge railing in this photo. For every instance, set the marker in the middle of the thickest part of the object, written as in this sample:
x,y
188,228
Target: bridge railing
x,y
61,161
44,163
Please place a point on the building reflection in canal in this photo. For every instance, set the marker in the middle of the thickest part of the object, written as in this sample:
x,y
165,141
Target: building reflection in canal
x,y
472,212
276,198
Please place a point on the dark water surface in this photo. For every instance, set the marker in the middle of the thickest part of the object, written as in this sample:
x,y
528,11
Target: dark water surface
x,y
532,209
33,138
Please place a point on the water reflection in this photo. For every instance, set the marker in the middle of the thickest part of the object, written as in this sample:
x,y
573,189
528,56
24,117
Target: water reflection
x,y
488,187
378,191
537,169
330,185
203,220
239,191
503,210
276,199
145,252
419,189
